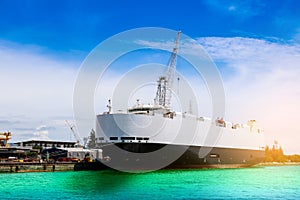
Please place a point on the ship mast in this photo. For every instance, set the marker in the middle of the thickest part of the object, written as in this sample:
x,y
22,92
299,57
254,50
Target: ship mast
x,y
165,83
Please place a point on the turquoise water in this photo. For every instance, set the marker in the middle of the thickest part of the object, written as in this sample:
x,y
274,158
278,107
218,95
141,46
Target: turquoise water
x,y
282,182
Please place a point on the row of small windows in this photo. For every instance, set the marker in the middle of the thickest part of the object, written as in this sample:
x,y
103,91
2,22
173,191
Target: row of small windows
x,y
46,145
129,138
113,138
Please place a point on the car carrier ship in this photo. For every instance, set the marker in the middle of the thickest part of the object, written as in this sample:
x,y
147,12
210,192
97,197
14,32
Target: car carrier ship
x,y
150,137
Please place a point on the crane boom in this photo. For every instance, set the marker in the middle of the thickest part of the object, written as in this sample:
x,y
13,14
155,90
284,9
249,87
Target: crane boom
x,y
165,83
74,134
171,70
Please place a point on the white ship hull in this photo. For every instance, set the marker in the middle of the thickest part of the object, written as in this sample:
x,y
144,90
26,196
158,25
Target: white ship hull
x,y
188,136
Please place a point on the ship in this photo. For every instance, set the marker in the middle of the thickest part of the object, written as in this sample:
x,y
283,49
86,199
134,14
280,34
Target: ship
x,y
153,136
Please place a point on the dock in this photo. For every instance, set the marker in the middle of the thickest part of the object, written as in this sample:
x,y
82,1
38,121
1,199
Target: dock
x,y
90,166
35,167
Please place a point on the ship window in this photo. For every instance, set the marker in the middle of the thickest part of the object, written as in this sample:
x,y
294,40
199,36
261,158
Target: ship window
x,y
127,138
139,138
146,138
101,138
113,138
214,155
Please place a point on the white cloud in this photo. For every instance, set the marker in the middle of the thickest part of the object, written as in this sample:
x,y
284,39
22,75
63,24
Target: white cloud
x,y
35,87
41,133
244,9
264,83
297,35
231,8
33,83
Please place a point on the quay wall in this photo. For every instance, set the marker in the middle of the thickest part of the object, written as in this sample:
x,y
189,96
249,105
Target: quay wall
x,y
35,167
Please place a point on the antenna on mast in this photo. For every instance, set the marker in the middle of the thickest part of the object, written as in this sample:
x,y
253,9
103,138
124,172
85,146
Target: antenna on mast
x,y
109,106
178,85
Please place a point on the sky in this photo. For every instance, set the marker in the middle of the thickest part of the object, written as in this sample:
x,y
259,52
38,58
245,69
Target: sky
x,y
255,44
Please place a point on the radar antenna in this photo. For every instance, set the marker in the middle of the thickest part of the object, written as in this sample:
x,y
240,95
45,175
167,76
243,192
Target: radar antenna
x,y
165,83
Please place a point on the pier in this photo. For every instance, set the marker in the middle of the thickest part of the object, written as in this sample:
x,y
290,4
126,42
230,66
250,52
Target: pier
x,y
35,167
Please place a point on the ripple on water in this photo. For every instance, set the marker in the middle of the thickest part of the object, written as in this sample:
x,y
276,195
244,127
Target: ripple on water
x,y
249,183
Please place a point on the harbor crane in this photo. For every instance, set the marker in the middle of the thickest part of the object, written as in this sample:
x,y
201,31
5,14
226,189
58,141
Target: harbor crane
x,y
4,137
165,83
74,134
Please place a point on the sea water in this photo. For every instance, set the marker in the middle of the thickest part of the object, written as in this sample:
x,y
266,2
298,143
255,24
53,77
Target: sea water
x,y
280,182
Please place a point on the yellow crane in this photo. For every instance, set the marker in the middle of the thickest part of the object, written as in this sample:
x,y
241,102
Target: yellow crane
x,y
75,135
4,137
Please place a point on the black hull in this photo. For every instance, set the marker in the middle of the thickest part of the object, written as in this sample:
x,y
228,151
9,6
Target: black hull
x,y
140,156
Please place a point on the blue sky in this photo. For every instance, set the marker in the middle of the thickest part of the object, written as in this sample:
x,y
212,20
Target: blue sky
x,y
79,25
43,43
